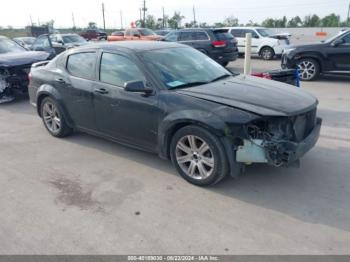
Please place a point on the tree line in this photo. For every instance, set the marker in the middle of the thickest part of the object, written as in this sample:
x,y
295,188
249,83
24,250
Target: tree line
x,y
176,21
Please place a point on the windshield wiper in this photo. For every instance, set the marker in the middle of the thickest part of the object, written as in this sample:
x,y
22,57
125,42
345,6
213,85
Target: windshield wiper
x,y
220,77
191,84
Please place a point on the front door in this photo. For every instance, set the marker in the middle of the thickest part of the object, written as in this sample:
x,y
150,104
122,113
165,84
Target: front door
x,y
125,116
340,54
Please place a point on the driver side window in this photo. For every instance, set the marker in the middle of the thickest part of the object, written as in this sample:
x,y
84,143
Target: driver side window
x,y
117,70
346,39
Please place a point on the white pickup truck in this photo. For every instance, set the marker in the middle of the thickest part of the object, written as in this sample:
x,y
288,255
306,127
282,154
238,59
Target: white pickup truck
x,y
265,43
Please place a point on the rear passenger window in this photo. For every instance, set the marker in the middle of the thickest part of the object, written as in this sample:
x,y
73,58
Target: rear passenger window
x,y
200,36
117,70
237,33
186,36
82,65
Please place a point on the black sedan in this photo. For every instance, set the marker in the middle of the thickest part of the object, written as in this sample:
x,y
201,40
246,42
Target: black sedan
x,y
172,100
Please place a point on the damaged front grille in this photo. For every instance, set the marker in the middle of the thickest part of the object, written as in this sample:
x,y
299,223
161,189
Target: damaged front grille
x,y
277,135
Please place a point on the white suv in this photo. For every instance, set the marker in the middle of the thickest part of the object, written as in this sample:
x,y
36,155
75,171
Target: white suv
x,y
264,42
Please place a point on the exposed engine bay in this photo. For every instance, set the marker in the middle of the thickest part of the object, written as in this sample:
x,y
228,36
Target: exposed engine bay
x,y
279,141
13,81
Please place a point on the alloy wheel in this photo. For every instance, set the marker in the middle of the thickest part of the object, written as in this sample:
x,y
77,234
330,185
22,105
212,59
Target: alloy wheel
x,y
51,117
307,70
195,157
267,54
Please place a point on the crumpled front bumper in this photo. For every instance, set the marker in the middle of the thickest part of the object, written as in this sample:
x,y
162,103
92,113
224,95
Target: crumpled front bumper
x,y
277,153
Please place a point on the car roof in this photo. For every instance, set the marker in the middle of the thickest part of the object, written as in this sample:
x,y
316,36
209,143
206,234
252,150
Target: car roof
x,y
136,46
244,27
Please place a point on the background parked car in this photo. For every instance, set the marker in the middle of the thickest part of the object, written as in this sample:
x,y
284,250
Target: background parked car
x,y
265,43
57,43
163,32
216,43
137,34
331,57
94,34
15,63
26,42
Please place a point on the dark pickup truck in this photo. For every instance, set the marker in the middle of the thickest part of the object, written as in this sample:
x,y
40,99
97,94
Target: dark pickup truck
x,y
92,34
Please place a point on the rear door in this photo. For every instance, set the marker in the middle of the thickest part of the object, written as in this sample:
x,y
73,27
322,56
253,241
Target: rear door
x,y
340,54
76,87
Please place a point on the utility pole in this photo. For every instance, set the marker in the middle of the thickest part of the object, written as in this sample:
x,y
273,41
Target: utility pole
x,y
163,18
73,20
103,14
121,19
144,9
31,20
194,17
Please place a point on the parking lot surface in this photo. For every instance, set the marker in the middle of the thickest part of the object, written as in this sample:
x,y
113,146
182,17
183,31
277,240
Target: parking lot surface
x,y
85,195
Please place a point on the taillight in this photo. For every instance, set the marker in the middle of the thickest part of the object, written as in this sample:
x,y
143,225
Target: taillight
x,y
219,43
262,75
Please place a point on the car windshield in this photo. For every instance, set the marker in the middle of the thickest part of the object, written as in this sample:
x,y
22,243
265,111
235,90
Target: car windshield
x,y
73,39
336,36
265,32
9,46
28,40
146,32
183,67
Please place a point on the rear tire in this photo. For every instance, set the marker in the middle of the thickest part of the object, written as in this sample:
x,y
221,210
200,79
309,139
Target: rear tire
x,y
267,53
198,156
53,118
309,69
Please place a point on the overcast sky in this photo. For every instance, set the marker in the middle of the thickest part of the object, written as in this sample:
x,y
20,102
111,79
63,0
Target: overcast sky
x,y
17,12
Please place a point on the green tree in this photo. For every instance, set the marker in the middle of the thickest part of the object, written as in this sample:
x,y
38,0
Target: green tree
x,y
150,22
219,24
295,22
175,21
312,21
331,20
231,21
92,25
268,22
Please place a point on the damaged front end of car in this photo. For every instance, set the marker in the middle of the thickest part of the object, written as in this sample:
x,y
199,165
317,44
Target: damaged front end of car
x,y
279,141
13,80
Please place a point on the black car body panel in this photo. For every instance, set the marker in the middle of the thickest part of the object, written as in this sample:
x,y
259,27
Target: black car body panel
x,y
332,56
14,68
236,109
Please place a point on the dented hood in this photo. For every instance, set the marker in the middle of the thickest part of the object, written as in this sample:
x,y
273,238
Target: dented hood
x,y
257,95
22,58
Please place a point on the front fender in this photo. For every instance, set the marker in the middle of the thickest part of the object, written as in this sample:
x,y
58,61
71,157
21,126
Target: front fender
x,y
176,120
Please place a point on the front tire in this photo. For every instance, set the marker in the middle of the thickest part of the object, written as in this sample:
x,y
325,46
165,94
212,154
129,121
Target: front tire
x,y
53,118
198,156
309,69
267,53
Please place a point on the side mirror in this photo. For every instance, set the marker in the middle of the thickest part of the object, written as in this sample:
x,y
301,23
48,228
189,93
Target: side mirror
x,y
256,36
137,87
338,42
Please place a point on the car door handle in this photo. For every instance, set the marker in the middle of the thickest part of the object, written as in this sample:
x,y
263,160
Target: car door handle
x,y
60,80
101,91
